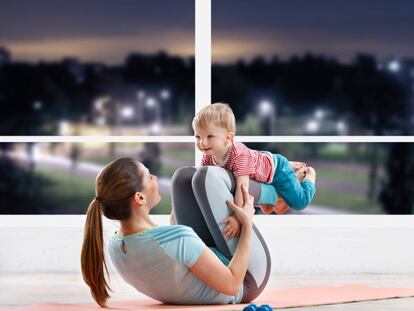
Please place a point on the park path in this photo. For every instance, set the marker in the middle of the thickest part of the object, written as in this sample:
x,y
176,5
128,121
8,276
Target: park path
x,y
89,169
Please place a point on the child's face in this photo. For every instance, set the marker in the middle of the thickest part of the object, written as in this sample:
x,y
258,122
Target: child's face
x,y
213,140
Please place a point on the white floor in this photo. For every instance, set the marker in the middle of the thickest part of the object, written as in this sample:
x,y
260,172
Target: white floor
x,y
32,288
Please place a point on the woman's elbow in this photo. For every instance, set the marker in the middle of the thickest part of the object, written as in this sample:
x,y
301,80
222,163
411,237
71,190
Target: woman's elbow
x,y
231,290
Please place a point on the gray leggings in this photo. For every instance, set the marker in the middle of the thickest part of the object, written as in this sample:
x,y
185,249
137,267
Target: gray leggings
x,y
198,197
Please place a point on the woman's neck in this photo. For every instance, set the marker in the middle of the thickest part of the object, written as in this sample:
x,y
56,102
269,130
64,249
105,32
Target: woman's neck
x,y
136,224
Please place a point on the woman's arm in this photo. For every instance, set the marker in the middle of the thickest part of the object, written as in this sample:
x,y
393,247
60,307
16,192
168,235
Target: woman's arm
x,y
238,197
228,280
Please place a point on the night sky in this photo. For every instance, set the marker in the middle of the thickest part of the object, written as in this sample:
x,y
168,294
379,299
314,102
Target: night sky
x,y
107,30
245,28
95,30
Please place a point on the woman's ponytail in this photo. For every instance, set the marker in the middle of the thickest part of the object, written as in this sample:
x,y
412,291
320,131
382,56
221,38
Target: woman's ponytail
x,y
93,261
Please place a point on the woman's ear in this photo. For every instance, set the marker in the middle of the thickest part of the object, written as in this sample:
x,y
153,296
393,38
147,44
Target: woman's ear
x,y
140,198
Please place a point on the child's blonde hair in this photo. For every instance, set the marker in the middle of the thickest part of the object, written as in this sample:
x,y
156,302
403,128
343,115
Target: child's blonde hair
x,y
217,114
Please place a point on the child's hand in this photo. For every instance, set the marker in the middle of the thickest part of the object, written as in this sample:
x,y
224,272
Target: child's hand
x,y
233,227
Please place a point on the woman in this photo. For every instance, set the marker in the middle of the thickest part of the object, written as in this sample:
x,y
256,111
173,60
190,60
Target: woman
x,y
172,263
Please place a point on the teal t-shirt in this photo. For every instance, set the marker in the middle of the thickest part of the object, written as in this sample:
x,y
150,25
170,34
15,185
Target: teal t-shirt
x,y
158,261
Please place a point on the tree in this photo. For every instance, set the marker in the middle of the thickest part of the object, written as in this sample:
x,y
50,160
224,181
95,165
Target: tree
x,y
397,194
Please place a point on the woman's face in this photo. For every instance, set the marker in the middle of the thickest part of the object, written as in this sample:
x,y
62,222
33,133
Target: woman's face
x,y
150,183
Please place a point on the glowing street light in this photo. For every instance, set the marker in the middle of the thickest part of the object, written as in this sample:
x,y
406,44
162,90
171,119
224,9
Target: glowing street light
x,y
165,94
265,108
37,105
140,94
312,126
151,102
394,66
341,127
319,114
127,112
63,127
155,128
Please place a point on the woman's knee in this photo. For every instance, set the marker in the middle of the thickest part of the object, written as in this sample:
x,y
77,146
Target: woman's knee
x,y
182,175
206,175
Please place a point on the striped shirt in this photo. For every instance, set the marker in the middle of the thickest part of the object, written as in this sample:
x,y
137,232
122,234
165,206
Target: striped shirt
x,y
242,161
158,261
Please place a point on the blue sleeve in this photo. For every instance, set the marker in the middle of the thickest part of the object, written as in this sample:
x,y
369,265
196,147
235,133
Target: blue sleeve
x,y
183,245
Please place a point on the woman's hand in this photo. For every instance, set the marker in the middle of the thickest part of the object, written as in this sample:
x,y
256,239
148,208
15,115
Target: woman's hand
x,y
245,213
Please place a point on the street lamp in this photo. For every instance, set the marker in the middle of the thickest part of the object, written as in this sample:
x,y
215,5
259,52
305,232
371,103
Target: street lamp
x,y
127,112
37,105
165,94
267,114
63,127
265,108
140,94
394,66
319,114
153,105
341,127
312,126
151,102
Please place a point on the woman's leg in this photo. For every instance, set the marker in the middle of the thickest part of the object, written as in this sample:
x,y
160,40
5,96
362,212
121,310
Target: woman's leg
x,y
212,187
185,206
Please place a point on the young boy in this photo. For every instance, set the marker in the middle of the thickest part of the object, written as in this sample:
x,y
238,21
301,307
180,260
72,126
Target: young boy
x,y
215,127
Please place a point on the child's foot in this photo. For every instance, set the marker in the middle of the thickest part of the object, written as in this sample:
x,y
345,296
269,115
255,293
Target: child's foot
x,y
301,173
266,208
311,174
297,165
280,206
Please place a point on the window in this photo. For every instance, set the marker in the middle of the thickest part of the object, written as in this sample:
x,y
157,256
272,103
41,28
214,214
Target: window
x,y
332,99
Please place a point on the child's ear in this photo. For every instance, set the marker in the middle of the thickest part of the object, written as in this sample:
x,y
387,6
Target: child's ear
x,y
230,136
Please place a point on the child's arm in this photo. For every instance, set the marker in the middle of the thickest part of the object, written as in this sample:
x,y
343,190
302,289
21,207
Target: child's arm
x,y
233,228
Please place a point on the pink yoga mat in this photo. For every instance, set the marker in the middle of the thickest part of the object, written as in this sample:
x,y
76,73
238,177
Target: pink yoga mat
x,y
277,298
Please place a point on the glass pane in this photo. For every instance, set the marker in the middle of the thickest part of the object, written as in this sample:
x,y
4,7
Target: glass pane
x,y
315,67
59,178
96,67
355,178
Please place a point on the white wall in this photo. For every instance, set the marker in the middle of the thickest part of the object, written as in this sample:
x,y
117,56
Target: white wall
x,y
299,244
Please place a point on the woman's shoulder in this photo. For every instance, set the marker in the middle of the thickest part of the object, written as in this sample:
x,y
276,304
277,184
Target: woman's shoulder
x,y
160,236
168,233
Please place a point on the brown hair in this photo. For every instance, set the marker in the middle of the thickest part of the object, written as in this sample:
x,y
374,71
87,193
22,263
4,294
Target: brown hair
x,y
217,114
115,185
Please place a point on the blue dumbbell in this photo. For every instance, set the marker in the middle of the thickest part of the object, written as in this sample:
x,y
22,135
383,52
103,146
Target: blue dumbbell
x,y
250,307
